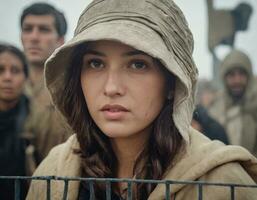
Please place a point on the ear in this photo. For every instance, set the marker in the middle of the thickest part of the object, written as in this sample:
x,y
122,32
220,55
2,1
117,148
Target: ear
x,y
170,95
61,40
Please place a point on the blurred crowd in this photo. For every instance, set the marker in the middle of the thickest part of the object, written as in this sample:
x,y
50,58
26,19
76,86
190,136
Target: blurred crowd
x,y
30,125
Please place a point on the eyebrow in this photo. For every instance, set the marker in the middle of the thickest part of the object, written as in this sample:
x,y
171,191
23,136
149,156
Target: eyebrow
x,y
134,53
130,53
93,52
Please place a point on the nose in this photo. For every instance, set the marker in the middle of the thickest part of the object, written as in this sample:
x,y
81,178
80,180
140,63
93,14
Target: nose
x,y
238,77
113,84
34,34
7,75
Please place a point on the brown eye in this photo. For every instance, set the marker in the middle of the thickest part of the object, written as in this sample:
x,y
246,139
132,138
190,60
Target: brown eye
x,y
95,64
138,65
16,70
2,69
26,29
44,29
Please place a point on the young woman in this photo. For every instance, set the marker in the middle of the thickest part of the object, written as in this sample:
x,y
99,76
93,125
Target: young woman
x,y
14,110
125,83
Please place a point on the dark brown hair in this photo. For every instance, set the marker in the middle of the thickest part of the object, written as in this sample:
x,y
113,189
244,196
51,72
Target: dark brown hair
x,y
97,154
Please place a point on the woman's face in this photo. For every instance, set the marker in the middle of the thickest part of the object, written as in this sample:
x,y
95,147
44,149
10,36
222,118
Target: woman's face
x,y
12,77
124,88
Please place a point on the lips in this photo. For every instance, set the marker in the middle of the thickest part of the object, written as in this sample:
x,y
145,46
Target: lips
x,y
114,108
114,112
7,90
34,49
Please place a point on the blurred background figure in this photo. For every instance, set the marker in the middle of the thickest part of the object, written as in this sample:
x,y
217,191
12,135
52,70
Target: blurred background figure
x,y
14,109
224,24
43,28
205,93
236,106
207,125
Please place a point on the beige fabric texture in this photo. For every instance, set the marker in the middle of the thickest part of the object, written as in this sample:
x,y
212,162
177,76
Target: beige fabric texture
x,y
155,27
204,160
44,127
239,120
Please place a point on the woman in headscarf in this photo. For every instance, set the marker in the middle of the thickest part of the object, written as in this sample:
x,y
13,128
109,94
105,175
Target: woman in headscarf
x,y
125,83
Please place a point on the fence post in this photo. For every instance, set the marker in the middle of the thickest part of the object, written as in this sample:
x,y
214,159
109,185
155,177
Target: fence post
x,y
48,190
17,185
65,192
167,184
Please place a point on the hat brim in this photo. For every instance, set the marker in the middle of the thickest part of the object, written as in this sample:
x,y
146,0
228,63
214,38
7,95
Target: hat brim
x,y
130,33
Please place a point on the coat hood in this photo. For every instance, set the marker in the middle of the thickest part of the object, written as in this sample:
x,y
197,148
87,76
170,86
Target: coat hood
x,y
153,26
236,59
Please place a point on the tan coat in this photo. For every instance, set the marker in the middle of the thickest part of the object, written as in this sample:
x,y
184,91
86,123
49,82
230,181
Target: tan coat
x,y
44,126
204,160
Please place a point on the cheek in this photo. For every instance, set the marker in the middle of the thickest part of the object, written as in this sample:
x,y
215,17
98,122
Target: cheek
x,y
245,81
24,40
88,91
151,100
229,81
20,82
84,87
151,111
50,44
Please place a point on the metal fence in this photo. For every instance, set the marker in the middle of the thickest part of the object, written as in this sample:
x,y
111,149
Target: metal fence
x,y
108,181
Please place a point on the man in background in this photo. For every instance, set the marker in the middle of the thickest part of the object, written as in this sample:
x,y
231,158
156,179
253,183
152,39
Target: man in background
x,y
43,28
236,107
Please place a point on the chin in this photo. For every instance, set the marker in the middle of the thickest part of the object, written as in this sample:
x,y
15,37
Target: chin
x,y
10,98
116,134
36,61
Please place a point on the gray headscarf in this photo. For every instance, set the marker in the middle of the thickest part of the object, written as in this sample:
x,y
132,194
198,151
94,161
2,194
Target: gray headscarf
x,y
157,27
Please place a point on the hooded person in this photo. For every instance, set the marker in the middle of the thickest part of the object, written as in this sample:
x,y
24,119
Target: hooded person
x,y
236,106
125,83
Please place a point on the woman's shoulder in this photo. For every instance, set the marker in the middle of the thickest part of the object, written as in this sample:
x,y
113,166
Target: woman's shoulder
x,y
58,158
202,155
61,161
201,147
210,161
227,174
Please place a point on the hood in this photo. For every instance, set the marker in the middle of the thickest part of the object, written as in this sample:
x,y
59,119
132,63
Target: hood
x,y
156,27
236,59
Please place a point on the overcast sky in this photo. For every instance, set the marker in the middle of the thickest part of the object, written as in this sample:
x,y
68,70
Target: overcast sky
x,y
194,10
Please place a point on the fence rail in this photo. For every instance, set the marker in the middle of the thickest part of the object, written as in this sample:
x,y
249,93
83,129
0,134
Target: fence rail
x,y
108,181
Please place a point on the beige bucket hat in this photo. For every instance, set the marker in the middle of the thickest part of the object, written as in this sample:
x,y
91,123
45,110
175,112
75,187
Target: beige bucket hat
x,y
156,27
